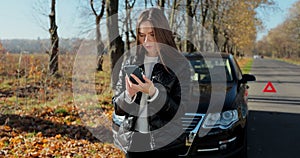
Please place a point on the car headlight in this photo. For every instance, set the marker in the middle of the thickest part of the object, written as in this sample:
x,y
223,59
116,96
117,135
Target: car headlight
x,y
221,120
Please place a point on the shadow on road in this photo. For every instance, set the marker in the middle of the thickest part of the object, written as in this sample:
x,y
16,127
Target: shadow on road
x,y
273,134
276,81
276,100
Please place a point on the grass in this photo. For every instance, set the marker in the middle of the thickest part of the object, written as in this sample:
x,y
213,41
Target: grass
x,y
39,107
61,111
31,134
25,83
245,64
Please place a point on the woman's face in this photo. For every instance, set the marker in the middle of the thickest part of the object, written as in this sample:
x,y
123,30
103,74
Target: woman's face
x,y
147,38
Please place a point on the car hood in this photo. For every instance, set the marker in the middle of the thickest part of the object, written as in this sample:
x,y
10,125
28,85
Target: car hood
x,y
216,101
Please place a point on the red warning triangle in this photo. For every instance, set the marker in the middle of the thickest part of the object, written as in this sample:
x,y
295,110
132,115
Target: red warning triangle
x,y
269,88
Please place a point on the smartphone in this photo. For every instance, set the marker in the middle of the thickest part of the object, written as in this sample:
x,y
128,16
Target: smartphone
x,y
137,71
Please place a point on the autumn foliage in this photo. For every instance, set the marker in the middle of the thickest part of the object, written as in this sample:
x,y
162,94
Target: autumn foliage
x,y
38,115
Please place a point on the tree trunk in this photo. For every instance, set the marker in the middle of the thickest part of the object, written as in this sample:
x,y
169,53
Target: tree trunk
x,y
128,25
226,43
174,6
161,4
146,3
188,47
100,46
214,24
204,8
116,45
53,63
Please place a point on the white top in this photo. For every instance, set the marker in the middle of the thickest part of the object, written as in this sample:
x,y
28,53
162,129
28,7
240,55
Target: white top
x,y
142,121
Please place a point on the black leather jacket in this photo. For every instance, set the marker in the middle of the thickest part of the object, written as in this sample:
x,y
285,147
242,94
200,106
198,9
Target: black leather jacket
x,y
167,109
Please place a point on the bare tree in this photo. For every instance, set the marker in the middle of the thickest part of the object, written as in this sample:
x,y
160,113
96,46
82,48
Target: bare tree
x,y
174,7
116,44
128,22
191,8
161,4
53,64
100,45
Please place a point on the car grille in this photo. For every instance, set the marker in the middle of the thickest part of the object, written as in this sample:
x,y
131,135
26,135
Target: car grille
x,y
191,122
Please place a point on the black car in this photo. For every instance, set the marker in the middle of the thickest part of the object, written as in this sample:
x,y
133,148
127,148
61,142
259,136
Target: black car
x,y
215,130
219,131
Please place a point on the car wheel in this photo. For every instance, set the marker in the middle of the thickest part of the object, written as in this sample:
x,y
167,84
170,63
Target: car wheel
x,y
243,152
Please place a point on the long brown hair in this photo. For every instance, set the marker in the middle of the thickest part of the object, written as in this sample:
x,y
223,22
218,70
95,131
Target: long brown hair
x,y
162,33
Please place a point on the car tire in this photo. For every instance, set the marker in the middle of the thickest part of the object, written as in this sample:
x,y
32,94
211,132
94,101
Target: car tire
x,y
243,152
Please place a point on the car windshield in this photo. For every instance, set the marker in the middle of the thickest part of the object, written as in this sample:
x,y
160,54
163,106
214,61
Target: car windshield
x,y
209,69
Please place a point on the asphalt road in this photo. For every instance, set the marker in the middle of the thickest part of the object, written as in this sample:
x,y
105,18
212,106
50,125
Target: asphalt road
x,y
274,118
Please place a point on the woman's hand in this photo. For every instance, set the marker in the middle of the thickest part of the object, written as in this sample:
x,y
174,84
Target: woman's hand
x,y
147,87
129,87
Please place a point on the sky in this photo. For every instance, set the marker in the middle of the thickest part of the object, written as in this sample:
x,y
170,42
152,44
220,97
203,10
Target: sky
x,y
276,17
18,19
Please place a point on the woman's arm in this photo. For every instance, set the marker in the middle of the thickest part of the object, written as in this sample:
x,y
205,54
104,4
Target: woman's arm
x,y
123,104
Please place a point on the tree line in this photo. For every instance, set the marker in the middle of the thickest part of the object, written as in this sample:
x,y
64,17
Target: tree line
x,y
39,45
283,40
233,25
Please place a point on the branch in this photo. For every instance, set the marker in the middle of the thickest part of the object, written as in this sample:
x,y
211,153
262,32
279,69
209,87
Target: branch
x,y
131,6
102,9
92,6
195,8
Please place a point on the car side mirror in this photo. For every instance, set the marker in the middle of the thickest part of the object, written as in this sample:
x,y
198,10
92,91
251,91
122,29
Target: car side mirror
x,y
247,77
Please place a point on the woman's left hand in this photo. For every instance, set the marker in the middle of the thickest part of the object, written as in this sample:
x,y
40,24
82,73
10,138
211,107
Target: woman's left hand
x,y
147,87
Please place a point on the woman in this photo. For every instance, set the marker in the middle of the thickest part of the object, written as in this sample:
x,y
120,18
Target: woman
x,y
153,108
